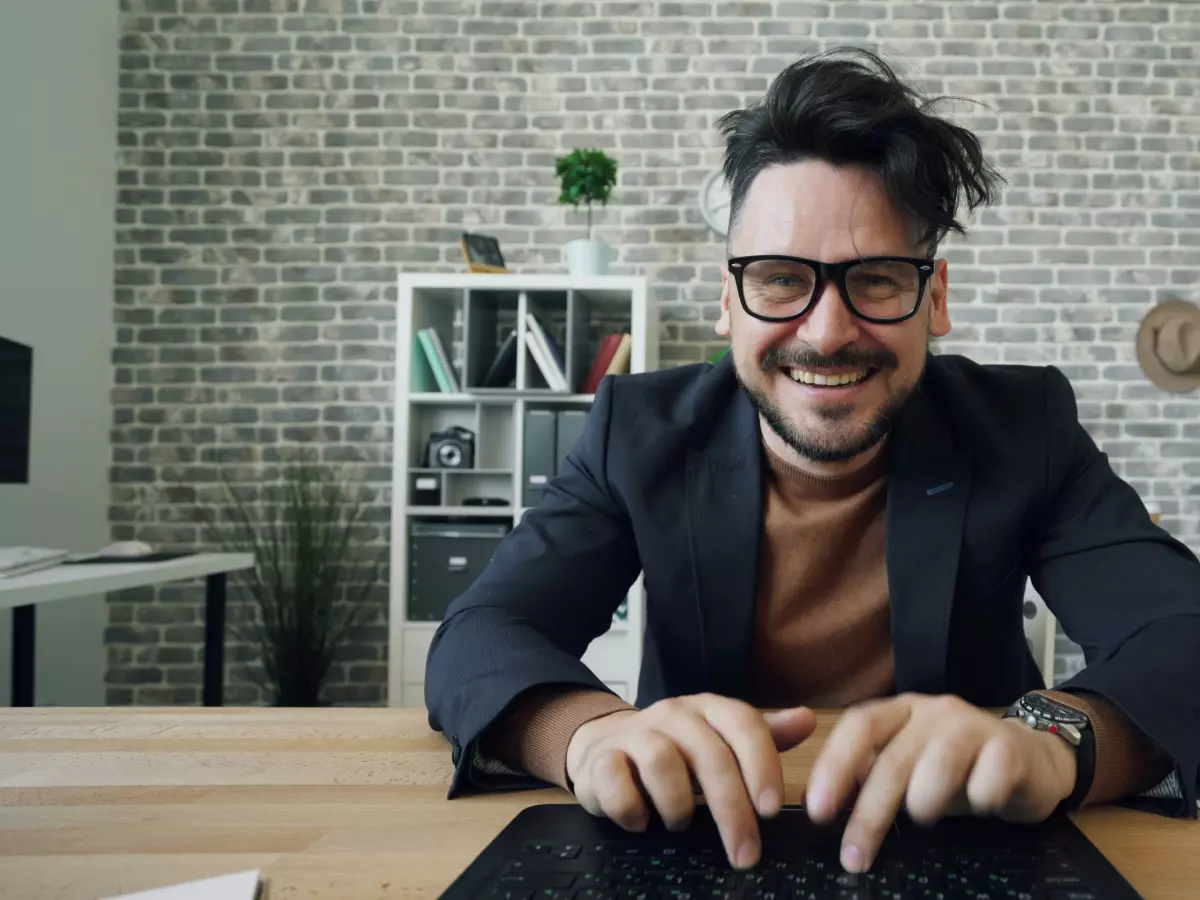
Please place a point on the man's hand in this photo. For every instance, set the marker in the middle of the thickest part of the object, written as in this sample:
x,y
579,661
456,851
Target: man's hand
x,y
728,748
937,756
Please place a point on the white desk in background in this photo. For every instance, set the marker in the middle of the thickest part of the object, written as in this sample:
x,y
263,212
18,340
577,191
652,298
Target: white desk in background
x,y
64,582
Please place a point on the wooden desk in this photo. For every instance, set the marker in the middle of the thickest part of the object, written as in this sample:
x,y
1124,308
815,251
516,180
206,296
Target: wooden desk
x,y
332,804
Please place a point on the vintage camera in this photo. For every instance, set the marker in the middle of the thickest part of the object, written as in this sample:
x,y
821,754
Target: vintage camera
x,y
453,448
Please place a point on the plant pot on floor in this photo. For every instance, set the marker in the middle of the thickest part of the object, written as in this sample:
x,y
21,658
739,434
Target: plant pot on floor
x,y
588,257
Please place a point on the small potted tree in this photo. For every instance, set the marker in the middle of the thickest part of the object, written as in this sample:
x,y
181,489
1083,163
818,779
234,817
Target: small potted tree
x,y
588,176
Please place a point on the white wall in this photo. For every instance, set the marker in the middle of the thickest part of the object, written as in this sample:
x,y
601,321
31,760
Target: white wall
x,y
58,106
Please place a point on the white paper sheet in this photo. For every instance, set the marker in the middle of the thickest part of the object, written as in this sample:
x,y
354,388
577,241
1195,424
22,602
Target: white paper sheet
x,y
238,886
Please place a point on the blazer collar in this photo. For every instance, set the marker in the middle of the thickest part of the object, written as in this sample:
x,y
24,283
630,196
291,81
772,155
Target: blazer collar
x,y
724,526
928,487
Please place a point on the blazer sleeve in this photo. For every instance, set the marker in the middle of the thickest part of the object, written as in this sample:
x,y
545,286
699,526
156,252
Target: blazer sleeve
x,y
1124,590
551,588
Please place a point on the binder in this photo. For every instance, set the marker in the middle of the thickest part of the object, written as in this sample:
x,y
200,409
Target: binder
x,y
570,426
537,468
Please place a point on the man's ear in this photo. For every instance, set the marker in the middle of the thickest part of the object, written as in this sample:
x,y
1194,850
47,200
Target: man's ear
x,y
939,314
722,324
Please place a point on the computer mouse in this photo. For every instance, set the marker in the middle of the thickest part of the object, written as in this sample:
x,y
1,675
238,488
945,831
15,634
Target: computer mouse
x,y
130,549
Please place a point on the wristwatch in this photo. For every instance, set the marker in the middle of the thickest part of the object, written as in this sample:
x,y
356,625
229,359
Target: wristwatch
x,y
1041,713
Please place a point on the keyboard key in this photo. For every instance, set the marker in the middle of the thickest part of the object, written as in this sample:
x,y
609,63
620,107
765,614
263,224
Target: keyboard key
x,y
549,863
511,894
1062,881
538,848
570,851
537,880
1072,895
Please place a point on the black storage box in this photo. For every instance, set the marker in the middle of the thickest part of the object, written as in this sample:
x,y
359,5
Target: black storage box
x,y
425,488
444,559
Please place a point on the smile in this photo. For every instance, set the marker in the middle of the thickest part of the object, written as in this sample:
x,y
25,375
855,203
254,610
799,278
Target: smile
x,y
834,379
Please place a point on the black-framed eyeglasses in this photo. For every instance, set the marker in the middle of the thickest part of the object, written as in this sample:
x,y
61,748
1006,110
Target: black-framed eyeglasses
x,y
882,289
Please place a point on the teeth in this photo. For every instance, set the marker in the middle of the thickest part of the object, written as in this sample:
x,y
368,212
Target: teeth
x,y
817,378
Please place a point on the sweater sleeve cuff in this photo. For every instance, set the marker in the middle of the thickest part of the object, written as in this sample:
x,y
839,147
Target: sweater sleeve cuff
x,y
534,737
1127,761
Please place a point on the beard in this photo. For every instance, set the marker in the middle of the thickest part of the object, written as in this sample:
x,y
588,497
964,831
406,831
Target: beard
x,y
840,440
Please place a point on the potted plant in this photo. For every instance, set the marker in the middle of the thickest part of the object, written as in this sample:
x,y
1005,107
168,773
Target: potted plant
x,y
310,582
588,176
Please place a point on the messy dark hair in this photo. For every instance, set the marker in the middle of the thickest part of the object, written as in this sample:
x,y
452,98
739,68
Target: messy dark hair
x,y
858,111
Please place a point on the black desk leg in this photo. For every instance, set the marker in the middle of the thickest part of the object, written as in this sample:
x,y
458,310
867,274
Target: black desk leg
x,y
214,640
23,636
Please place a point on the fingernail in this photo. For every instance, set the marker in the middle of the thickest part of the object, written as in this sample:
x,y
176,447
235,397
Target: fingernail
x,y
817,800
747,855
852,859
768,802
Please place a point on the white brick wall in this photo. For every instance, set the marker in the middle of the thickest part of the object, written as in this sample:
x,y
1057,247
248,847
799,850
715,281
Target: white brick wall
x,y
282,160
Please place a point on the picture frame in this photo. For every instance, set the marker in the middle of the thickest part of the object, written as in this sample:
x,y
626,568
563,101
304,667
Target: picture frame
x,y
482,253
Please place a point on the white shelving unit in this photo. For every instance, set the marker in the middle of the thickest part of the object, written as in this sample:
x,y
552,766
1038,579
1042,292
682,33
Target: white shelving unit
x,y
471,313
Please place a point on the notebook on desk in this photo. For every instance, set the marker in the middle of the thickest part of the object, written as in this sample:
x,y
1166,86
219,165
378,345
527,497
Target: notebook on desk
x,y
161,556
16,561
248,885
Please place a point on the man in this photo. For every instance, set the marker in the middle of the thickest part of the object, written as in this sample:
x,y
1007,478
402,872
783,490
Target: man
x,y
831,517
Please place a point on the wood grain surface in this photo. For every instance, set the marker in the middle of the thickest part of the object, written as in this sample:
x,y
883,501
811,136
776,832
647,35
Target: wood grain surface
x,y
330,803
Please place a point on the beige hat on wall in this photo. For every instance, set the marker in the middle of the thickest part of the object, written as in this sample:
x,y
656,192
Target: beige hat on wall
x,y
1168,345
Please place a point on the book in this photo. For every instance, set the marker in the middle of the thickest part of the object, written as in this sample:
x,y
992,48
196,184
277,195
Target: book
x,y
443,372
503,370
444,360
604,356
540,347
16,561
619,365
248,885
541,358
422,378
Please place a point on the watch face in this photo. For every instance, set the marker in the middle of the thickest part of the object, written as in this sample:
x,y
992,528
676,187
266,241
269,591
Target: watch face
x,y
1045,708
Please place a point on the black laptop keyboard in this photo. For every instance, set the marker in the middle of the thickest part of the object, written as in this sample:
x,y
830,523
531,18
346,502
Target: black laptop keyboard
x,y
652,871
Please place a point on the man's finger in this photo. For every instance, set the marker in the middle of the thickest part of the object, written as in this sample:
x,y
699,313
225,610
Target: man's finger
x,y
939,779
746,732
790,727
720,778
879,800
1000,767
860,733
616,791
664,777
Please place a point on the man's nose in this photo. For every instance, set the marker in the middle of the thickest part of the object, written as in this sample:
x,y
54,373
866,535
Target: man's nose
x,y
829,325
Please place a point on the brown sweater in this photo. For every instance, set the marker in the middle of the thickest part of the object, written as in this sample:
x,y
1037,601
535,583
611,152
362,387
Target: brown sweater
x,y
822,634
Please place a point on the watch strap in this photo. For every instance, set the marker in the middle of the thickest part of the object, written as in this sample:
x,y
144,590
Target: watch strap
x,y
1085,753
1085,768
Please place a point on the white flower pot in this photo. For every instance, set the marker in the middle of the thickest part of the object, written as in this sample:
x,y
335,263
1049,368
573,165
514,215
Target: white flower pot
x,y
588,257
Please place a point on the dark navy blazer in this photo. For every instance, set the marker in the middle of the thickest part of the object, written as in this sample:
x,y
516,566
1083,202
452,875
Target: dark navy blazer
x,y
991,480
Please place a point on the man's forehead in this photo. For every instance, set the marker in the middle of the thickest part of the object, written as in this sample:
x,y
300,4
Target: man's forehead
x,y
815,209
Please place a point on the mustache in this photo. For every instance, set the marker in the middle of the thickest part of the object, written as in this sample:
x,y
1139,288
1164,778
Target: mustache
x,y
808,358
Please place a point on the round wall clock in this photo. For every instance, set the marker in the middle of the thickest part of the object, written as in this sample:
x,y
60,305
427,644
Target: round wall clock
x,y
714,202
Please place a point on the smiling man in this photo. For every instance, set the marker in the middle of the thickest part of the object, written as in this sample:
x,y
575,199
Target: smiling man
x,y
832,517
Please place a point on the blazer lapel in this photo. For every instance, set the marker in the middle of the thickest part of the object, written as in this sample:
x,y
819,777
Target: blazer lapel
x,y
724,509
928,487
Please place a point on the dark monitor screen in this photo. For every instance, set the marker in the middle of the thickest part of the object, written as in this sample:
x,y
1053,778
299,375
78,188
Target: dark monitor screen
x,y
16,390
